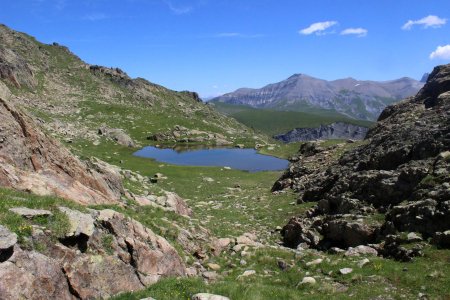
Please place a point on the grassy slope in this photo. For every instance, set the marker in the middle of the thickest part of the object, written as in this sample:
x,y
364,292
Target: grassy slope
x,y
273,122
66,90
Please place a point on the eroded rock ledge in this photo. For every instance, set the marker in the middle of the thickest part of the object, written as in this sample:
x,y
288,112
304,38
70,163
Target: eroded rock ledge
x,y
400,173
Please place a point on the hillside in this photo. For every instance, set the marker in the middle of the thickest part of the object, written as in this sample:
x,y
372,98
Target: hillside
x,y
273,122
74,99
354,98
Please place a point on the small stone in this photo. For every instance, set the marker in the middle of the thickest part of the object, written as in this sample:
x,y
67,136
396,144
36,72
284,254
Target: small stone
x,y
314,262
361,250
308,280
282,265
247,273
413,237
363,262
345,271
206,296
242,262
210,275
336,250
214,267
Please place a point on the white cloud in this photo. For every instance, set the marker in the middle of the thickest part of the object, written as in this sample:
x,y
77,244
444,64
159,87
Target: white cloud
x,y
318,28
178,10
359,32
441,52
429,21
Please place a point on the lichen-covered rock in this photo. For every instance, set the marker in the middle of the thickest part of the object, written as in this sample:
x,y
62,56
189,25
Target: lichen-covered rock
x,y
80,223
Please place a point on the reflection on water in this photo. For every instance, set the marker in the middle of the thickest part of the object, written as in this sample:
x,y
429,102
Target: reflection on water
x,y
186,147
241,159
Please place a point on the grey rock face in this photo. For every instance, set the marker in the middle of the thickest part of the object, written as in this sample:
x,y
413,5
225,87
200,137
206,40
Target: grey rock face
x,y
337,130
7,239
355,98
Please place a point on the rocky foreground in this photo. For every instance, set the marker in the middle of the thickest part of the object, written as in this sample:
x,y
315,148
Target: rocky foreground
x,y
123,256
393,189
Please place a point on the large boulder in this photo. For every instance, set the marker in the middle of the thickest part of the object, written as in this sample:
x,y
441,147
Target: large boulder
x,y
31,275
152,256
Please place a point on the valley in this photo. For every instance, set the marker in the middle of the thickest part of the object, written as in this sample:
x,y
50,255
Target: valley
x,y
82,217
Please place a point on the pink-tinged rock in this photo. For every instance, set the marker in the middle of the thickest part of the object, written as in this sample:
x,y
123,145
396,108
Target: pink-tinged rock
x,y
99,277
31,275
32,161
152,255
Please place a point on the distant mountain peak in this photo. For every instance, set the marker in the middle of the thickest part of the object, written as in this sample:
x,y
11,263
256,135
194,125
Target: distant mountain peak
x,y
349,96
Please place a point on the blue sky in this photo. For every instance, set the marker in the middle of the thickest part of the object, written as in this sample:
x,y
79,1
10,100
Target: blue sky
x,y
216,46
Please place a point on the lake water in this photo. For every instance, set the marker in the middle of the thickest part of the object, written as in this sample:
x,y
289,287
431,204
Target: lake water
x,y
241,159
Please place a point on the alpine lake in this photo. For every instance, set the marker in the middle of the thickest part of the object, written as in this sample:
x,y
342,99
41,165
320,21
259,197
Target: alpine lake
x,y
241,159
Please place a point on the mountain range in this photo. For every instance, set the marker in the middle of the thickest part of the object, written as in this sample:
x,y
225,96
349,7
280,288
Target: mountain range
x,y
355,98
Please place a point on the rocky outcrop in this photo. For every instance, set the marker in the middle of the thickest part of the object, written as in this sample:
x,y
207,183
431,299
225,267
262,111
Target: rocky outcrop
x,y
15,69
337,130
181,134
117,135
170,202
32,161
402,171
102,254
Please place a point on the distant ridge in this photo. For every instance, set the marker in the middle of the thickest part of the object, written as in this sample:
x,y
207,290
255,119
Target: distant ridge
x,y
300,92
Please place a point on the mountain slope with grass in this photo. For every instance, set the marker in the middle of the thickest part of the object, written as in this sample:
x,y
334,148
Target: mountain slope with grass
x,y
354,98
168,231
274,122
